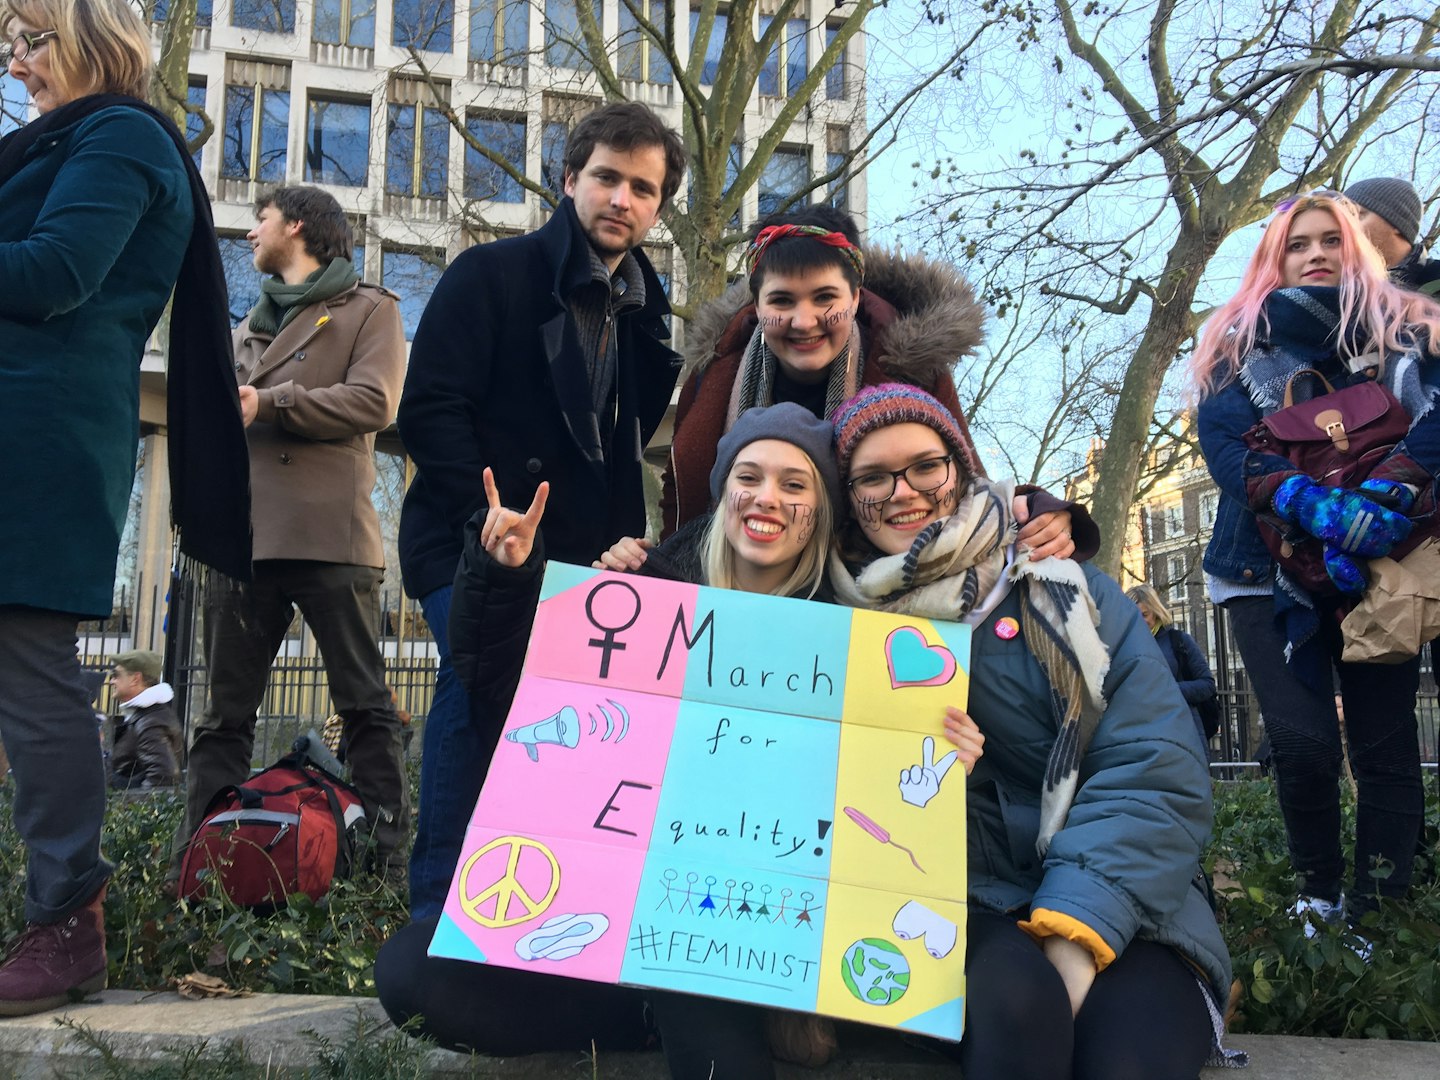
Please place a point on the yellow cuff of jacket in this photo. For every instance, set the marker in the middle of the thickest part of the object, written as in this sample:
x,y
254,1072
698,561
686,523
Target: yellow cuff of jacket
x,y
1045,923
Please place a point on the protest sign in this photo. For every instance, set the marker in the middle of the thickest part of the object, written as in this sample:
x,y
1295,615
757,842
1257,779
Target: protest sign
x,y
727,794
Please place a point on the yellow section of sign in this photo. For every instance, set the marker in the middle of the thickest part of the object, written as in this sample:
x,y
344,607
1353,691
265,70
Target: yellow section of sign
x,y
902,671
889,958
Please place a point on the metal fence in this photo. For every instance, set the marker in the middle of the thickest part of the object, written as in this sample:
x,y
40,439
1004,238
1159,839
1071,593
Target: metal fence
x,y
297,697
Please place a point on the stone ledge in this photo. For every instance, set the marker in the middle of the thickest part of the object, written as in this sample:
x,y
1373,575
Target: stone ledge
x,y
274,1028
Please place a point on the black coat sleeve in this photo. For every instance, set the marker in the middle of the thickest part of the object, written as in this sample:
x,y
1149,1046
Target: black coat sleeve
x,y
1083,529
491,613
1197,684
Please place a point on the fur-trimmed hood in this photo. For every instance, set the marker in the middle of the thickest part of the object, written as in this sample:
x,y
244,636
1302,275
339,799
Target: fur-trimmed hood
x,y
938,320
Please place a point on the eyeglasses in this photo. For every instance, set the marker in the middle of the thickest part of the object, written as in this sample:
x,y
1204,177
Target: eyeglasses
x,y
23,44
1314,196
924,478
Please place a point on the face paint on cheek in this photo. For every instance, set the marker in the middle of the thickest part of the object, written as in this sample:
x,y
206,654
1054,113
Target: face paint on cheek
x,y
946,503
805,518
868,514
769,322
738,500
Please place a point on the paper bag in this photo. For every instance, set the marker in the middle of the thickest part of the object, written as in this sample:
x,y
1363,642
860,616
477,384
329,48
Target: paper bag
x,y
1399,612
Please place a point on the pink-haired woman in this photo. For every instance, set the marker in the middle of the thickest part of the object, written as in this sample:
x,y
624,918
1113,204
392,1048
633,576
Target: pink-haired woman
x,y
1315,295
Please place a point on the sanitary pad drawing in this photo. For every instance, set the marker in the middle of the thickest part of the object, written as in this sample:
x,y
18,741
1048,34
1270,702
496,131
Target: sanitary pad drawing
x,y
566,935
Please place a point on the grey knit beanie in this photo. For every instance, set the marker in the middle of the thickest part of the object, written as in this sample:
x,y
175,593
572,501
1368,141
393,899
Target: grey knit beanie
x,y
1395,200
787,422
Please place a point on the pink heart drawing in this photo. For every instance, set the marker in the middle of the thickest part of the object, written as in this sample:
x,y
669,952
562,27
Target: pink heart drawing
x,y
912,661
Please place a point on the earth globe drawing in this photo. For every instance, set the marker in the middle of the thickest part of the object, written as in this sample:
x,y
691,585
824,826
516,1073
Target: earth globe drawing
x,y
876,972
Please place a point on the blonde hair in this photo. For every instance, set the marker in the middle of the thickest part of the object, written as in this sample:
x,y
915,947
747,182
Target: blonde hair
x,y
1370,303
100,46
717,557
1148,600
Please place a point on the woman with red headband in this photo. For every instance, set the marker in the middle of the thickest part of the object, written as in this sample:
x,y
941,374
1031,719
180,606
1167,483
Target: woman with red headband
x,y
819,320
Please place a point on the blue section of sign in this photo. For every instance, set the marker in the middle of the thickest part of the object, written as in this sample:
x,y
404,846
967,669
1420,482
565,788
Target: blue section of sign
x,y
561,576
450,941
944,1021
749,788
727,931
756,659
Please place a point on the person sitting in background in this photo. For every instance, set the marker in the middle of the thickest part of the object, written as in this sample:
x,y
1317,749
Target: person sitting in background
x,y
148,736
1187,662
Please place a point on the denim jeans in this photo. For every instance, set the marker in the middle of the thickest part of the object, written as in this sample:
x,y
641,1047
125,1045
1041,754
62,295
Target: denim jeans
x,y
454,758
1304,729
53,740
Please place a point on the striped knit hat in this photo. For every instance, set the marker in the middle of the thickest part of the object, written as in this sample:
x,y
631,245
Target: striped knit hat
x,y
896,403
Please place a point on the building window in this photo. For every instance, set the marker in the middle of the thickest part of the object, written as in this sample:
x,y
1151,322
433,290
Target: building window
x,y
1178,572
425,24
713,46
500,31
1175,519
417,144
345,22
203,10
412,275
257,122
195,122
562,35
1209,504
337,142
786,174
484,179
638,57
837,156
242,280
276,16
835,77
784,69
553,138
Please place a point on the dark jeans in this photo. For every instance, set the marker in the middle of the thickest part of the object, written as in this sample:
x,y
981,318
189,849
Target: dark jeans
x,y
1145,1017
243,630
53,742
1304,730
458,746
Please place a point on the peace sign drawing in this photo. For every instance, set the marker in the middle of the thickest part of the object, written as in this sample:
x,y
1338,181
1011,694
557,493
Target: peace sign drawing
x,y
508,889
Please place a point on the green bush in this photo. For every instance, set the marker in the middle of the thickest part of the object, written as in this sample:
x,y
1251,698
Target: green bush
x,y
1292,984
1320,985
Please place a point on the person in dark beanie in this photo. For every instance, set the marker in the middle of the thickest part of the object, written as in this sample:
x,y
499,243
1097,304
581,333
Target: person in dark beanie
x,y
1390,215
147,734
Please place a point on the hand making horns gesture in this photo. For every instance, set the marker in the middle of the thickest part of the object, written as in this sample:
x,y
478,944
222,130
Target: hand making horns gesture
x,y
508,535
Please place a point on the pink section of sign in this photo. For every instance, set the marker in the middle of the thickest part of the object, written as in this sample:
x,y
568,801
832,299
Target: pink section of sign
x,y
608,631
546,904
580,761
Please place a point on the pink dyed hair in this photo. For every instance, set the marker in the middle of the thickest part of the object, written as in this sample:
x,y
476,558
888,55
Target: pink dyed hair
x,y
1369,302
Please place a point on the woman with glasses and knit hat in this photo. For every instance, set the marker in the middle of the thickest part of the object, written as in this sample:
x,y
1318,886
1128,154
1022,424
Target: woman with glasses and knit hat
x,y
1315,296
1091,949
816,319
101,214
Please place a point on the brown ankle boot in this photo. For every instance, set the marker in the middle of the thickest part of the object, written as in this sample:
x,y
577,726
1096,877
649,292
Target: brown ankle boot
x,y
49,964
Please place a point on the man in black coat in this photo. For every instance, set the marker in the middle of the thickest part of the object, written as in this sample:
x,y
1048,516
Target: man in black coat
x,y
544,358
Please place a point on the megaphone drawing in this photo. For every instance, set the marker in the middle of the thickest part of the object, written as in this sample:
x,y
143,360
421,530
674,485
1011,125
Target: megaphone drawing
x,y
562,729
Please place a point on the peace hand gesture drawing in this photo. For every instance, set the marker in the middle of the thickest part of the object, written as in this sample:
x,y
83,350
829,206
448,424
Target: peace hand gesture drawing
x,y
921,783
508,535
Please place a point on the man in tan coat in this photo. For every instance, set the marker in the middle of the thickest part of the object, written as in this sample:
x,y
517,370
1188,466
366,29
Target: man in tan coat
x,y
320,361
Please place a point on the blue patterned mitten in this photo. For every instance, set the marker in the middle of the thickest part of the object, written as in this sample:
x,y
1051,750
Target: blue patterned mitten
x,y
1390,494
1347,574
1347,519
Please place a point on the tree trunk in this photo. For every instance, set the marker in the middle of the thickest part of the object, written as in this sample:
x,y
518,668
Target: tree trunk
x,y
1124,453
169,86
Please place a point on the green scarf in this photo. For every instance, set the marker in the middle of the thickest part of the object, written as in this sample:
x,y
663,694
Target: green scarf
x,y
280,303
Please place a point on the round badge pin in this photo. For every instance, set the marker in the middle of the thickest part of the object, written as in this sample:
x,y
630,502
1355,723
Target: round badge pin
x,y
1006,628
